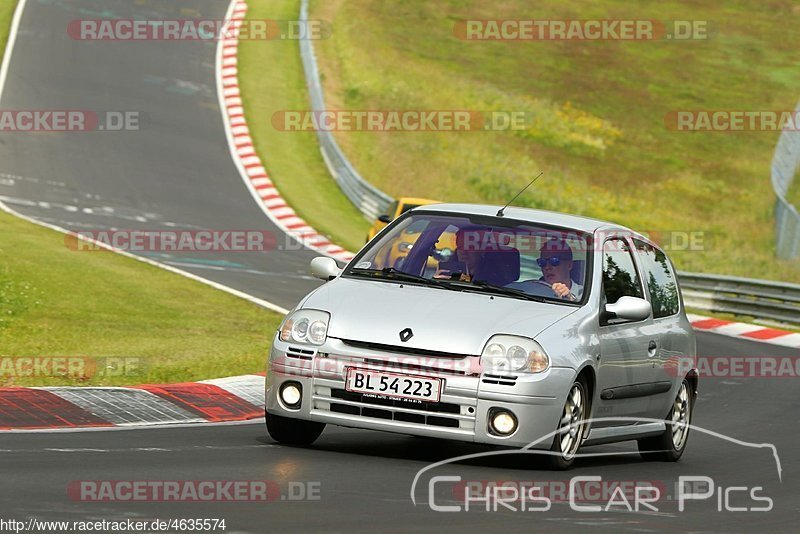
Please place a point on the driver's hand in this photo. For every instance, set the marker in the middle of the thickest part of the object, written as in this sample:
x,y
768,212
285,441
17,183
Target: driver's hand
x,y
561,290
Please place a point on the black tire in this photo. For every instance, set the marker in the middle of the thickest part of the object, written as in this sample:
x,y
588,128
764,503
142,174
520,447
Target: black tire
x,y
663,448
556,459
293,431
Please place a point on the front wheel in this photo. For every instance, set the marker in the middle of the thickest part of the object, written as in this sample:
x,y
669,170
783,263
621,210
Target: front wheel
x,y
669,446
292,431
571,427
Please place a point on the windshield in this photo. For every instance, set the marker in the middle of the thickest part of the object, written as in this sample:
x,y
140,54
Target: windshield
x,y
478,253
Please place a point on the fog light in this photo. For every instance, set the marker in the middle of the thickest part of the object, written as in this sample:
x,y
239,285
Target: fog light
x,y
291,394
502,422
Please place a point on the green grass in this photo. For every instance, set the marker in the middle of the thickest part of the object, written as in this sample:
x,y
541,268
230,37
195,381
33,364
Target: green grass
x,y
57,302
6,14
272,79
599,109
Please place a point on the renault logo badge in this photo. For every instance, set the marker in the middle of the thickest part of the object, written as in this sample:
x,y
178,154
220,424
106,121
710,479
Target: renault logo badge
x,y
406,334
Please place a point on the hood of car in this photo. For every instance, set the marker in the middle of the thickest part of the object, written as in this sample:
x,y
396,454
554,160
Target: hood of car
x,y
456,322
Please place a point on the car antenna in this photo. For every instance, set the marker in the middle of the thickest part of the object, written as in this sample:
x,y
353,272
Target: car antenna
x,y
500,211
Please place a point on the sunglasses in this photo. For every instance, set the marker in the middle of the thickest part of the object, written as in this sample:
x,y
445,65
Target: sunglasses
x,y
554,261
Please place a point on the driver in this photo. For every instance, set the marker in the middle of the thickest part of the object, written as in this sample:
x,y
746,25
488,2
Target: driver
x,y
555,260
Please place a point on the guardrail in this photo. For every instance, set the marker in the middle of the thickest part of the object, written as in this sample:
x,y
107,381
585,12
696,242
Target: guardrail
x,y
785,163
762,299
370,200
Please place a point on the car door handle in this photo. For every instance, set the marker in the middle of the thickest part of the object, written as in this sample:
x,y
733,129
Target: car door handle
x,y
651,348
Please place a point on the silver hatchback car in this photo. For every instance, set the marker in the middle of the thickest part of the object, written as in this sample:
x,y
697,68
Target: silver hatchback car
x,y
512,327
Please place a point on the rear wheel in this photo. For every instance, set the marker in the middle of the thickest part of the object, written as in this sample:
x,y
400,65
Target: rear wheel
x,y
669,446
571,427
293,431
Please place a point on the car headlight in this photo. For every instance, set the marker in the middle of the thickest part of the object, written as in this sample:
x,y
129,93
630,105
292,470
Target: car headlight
x,y
513,354
305,326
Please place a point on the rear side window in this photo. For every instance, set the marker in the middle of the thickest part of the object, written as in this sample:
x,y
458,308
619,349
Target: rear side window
x,y
619,273
660,279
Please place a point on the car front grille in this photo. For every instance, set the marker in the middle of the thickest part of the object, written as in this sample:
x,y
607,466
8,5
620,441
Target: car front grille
x,y
438,414
501,380
394,349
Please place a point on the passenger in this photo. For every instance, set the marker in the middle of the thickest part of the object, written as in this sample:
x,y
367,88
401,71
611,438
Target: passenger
x,y
467,261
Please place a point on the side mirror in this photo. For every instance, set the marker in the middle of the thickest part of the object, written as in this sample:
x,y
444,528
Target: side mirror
x,y
629,309
385,218
324,268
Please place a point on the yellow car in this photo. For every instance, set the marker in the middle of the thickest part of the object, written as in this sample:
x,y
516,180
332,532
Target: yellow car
x,y
399,248
397,208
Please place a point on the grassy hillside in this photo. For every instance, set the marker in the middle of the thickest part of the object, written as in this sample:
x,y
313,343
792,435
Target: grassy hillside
x,y
598,130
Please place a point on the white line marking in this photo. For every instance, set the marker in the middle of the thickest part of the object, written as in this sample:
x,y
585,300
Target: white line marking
x,y
12,39
259,421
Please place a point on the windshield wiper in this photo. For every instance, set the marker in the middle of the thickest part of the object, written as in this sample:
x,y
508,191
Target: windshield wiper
x,y
500,290
390,273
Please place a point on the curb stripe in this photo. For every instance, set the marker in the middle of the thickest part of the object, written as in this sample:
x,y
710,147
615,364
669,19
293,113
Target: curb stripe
x,y
36,408
210,402
766,333
747,331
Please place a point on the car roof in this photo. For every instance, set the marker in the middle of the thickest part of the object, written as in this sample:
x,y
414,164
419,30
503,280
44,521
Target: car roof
x,y
554,218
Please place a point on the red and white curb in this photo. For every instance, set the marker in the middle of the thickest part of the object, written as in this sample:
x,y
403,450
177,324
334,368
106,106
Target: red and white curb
x,y
237,398
752,332
244,154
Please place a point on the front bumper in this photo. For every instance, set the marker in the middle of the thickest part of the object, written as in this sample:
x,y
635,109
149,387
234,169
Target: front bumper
x,y
462,412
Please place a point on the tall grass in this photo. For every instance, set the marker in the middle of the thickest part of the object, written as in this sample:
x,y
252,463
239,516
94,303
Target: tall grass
x,y
597,108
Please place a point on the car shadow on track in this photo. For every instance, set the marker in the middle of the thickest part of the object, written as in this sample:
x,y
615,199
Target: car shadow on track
x,y
430,450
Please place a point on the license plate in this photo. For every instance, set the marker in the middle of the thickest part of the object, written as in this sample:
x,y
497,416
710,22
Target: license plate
x,y
393,385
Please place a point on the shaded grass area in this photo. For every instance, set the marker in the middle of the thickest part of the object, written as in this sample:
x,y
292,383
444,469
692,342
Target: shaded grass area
x,y
271,79
134,323
6,13
597,113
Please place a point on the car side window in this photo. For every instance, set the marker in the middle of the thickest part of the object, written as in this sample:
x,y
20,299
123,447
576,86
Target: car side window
x,y
620,278
660,279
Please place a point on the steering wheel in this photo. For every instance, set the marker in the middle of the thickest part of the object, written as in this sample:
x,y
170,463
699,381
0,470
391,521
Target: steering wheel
x,y
545,284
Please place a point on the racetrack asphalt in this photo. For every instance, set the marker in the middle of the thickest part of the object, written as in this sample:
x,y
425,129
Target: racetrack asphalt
x,y
177,170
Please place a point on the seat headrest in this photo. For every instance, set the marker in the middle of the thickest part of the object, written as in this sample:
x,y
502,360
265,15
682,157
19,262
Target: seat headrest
x,y
578,271
499,267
